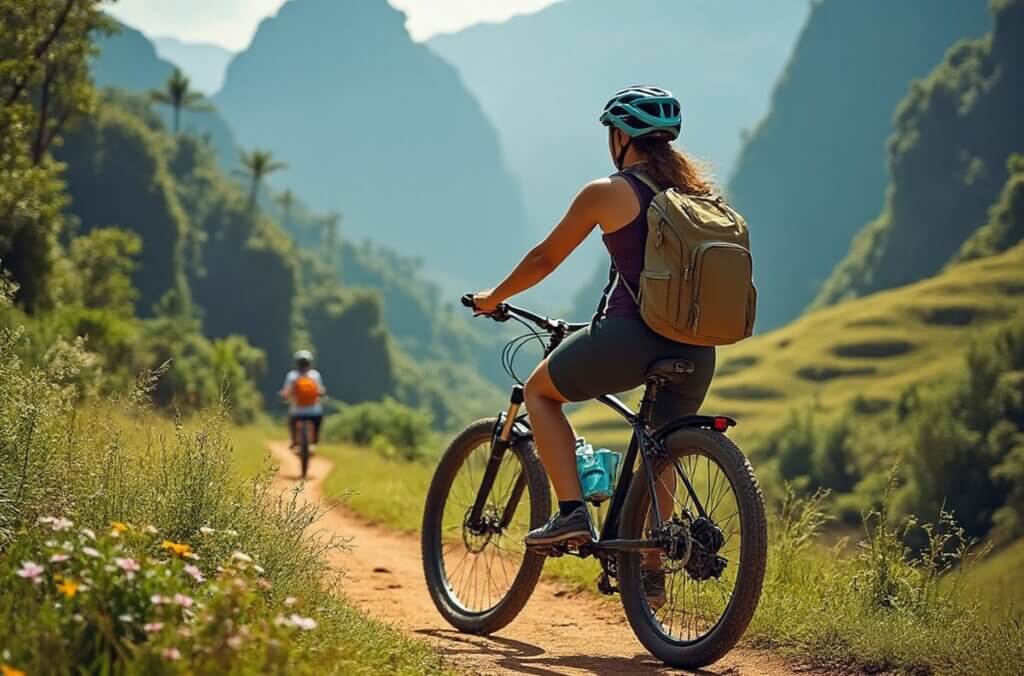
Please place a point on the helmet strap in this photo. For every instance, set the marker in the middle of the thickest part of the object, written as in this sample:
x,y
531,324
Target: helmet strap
x,y
620,160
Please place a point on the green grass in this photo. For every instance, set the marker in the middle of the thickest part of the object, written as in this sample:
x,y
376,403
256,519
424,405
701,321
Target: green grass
x,y
998,579
877,345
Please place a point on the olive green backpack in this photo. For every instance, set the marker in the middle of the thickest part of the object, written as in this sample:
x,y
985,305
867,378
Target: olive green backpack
x,y
697,285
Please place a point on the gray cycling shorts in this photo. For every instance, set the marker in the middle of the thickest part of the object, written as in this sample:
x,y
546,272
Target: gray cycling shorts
x,y
612,356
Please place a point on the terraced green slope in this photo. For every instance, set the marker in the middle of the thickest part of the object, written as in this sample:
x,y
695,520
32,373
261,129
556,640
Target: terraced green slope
x,y
872,347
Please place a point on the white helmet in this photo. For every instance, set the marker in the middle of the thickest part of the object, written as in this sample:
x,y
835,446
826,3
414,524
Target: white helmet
x,y
303,357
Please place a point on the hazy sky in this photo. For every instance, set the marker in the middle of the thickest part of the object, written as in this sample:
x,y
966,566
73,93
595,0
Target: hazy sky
x,y
231,23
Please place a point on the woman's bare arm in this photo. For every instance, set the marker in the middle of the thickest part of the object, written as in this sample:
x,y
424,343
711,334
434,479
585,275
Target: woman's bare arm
x,y
589,208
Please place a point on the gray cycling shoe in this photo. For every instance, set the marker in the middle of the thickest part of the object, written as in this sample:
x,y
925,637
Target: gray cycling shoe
x,y
572,528
654,588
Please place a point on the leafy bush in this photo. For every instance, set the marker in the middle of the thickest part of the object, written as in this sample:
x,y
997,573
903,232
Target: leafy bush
x,y
394,429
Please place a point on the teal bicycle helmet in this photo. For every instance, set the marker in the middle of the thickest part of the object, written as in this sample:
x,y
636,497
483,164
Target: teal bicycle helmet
x,y
640,110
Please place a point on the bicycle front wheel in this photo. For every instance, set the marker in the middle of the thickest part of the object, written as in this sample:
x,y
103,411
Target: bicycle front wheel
x,y
690,605
480,575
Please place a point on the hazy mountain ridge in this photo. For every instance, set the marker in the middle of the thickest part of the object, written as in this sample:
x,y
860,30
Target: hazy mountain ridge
x,y
381,129
543,79
813,172
955,131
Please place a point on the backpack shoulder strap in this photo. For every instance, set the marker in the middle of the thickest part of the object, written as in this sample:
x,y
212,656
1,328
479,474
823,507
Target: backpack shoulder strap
x,y
644,178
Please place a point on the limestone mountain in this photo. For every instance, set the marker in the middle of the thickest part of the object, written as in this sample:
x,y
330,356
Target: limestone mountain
x,y
381,129
813,172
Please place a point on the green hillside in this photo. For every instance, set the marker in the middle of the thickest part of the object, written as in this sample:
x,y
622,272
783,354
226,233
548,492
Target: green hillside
x,y
954,133
871,348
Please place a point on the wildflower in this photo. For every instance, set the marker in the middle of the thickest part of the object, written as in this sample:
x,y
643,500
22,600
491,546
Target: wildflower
x,y
129,566
241,556
179,549
89,551
206,530
158,599
195,573
118,528
59,558
183,601
259,569
290,601
52,543
263,583
150,530
7,670
60,523
68,588
232,532
235,642
152,627
77,617
30,570
297,621
126,617
89,533
45,520
171,654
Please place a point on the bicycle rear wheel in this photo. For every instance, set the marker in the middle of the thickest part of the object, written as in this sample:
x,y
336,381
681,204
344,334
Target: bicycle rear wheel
x,y
481,577
711,585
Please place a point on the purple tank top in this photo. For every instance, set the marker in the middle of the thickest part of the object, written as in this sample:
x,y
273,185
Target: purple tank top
x,y
626,247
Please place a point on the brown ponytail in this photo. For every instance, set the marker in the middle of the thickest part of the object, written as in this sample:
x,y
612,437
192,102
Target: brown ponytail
x,y
670,168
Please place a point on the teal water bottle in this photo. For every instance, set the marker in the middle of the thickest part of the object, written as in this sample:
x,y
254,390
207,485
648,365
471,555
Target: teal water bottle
x,y
596,470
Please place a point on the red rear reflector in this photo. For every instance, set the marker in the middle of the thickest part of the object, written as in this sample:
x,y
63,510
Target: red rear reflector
x,y
720,424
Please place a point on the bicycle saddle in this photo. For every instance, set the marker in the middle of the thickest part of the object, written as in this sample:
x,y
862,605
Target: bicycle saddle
x,y
670,371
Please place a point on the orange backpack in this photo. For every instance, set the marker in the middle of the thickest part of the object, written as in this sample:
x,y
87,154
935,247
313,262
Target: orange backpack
x,y
306,391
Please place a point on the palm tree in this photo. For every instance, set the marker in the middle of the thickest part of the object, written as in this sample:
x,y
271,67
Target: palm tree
x,y
331,223
256,166
286,201
179,97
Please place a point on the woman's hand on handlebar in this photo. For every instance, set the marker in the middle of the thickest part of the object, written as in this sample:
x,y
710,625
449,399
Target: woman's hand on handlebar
x,y
485,301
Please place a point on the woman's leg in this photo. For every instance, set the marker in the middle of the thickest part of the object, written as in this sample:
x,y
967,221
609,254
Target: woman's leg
x,y
553,433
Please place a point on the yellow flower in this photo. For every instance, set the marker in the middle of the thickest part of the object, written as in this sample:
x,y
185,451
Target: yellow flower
x,y
68,588
120,527
10,671
180,549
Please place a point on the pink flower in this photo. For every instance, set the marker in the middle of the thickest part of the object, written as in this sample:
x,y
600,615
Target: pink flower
x,y
152,627
183,601
158,600
171,654
195,573
30,570
129,566
59,558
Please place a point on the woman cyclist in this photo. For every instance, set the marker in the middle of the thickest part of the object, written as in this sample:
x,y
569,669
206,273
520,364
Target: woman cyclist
x,y
613,354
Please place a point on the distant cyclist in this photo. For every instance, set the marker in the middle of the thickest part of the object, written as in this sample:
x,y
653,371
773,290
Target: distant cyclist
x,y
304,391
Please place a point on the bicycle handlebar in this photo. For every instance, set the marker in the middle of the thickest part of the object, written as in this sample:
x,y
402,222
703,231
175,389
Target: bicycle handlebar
x,y
506,310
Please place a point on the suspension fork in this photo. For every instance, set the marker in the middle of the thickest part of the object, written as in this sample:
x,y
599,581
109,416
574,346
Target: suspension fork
x,y
499,446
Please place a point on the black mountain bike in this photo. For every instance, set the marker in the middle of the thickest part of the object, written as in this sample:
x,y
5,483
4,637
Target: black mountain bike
x,y
687,515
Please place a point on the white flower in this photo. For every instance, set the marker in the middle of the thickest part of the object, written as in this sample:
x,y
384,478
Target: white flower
x,y
230,531
241,556
206,530
235,642
89,533
126,617
150,530
59,558
129,566
290,601
30,570
304,623
45,519
60,523
89,551
195,573
259,569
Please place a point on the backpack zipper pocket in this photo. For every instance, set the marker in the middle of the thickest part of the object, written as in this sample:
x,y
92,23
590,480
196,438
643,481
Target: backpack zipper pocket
x,y
694,269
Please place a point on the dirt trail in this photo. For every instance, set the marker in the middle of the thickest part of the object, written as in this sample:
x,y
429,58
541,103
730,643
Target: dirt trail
x,y
557,632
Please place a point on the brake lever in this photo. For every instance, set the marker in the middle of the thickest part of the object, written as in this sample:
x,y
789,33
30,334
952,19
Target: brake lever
x,y
500,314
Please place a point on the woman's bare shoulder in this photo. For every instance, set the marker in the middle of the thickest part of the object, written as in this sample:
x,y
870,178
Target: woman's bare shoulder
x,y
612,200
